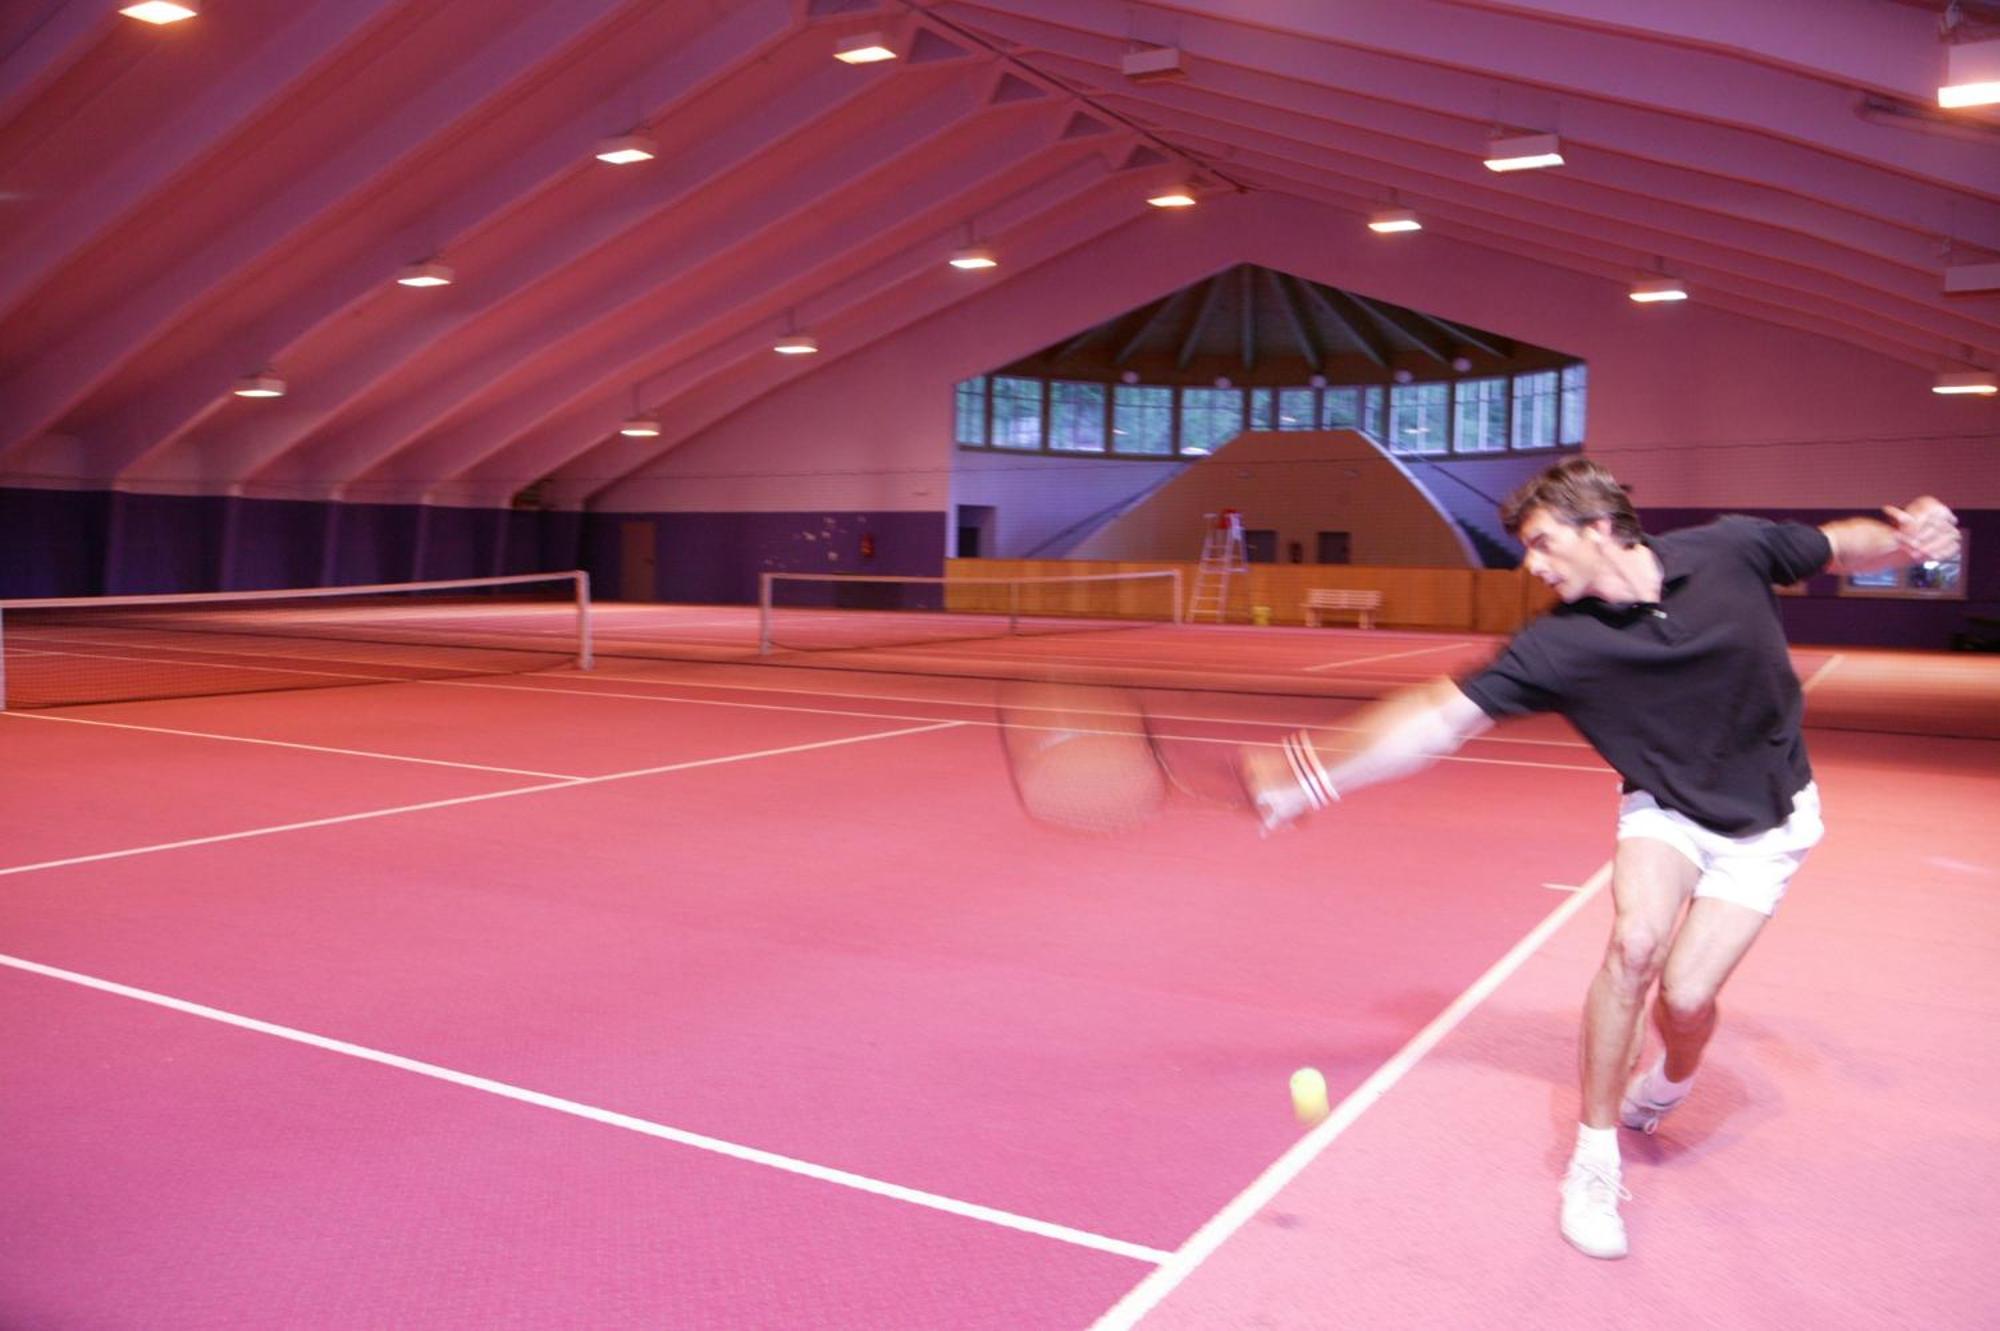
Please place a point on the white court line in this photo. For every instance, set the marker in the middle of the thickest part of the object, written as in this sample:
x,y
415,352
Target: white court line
x,y
610,1118
470,799
1147,1294
1386,656
286,744
994,722
1822,672
781,707
596,675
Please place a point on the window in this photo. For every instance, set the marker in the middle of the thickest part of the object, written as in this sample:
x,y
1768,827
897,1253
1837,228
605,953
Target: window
x,y
1076,417
1479,424
1575,392
1260,409
1017,412
1210,417
1371,413
1535,409
1340,409
1940,580
1142,420
1296,410
1419,418
970,413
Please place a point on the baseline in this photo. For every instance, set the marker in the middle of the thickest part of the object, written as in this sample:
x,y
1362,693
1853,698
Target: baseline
x,y
1148,1293
610,1118
563,784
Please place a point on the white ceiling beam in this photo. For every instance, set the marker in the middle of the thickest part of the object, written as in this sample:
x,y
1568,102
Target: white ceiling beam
x,y
587,465
818,274
1892,49
107,315
514,212
1449,106
42,47
1417,173
539,345
1622,264
1595,260
145,158
1562,61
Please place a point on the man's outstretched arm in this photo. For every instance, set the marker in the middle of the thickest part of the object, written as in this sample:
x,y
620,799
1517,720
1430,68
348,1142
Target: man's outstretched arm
x,y
1922,530
1396,737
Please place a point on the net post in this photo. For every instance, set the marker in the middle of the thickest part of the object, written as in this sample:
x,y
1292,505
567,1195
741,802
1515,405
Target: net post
x,y
764,581
1013,608
1176,575
585,658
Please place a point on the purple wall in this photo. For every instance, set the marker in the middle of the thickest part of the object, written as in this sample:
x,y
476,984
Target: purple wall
x,y
95,543
717,557
163,543
52,542
275,543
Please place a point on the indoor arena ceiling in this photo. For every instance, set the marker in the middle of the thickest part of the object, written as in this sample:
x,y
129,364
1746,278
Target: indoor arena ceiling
x,y
1255,325
183,207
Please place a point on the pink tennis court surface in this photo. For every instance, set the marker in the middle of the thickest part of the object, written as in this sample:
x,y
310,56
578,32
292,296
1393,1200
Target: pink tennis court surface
x,y
704,994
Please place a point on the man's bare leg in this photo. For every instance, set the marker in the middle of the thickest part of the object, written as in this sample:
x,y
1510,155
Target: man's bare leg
x,y
1650,882
1711,944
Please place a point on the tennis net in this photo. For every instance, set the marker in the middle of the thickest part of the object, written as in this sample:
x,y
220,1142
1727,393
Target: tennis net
x,y
849,611
59,652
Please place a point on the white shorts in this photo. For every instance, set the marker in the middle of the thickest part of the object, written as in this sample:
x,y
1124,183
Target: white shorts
x,y
1749,870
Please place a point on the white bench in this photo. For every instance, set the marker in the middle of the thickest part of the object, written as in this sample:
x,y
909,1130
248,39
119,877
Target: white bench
x,y
1362,604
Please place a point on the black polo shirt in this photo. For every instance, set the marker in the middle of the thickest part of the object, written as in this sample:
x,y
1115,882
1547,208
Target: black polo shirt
x,y
1693,700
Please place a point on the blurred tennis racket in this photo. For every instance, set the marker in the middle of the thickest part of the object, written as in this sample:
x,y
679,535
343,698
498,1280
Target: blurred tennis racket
x,y
1095,759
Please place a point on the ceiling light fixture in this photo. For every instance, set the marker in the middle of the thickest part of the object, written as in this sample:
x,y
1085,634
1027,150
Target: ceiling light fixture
x,y
160,11
1178,195
1966,383
1656,289
626,149
1152,64
262,384
645,425
1393,220
1963,277
1971,75
863,48
973,256
796,344
1523,152
427,274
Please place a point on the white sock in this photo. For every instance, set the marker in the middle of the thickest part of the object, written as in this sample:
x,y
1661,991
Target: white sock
x,y
1597,1146
1662,1090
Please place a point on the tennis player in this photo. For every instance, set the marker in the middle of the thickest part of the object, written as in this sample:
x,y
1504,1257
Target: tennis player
x,y
1667,653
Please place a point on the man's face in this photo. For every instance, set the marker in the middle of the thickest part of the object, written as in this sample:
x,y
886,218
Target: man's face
x,y
1569,559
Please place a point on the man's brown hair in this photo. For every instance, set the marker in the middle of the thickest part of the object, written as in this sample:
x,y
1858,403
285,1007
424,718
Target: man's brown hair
x,y
1577,492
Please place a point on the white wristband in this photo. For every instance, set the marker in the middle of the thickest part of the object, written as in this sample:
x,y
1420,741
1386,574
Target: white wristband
x,y
1312,778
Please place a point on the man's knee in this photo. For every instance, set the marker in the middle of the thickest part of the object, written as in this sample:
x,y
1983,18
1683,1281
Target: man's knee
x,y
1637,954
1684,1005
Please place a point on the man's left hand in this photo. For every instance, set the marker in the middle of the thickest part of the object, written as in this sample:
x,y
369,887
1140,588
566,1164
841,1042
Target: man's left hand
x,y
1925,529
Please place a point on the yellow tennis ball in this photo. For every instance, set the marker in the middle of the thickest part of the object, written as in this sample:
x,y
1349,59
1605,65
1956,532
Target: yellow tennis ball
x,y
1309,1095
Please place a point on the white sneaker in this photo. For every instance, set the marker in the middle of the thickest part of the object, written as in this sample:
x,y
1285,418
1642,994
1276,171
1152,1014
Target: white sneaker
x,y
1590,1197
1640,1111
